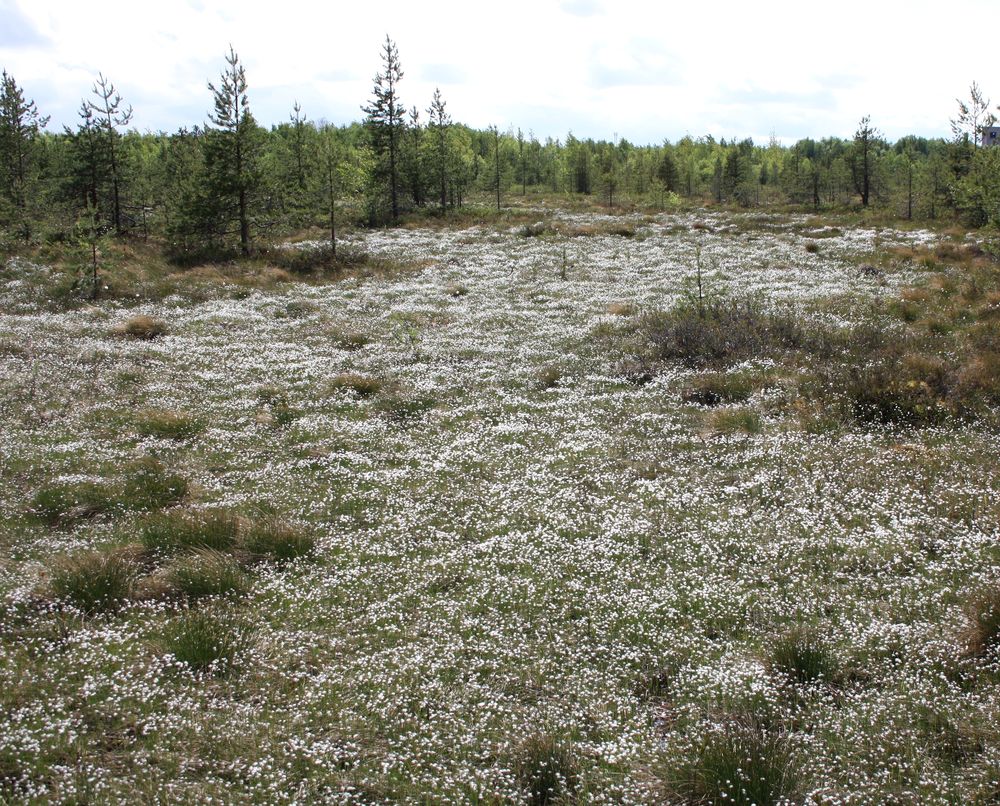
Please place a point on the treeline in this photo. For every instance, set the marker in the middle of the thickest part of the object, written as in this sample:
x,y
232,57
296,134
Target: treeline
x,y
227,183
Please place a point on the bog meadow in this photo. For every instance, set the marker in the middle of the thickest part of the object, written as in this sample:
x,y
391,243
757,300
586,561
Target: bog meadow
x,y
404,462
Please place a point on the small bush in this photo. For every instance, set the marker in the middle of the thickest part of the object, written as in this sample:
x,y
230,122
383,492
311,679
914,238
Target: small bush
x,y
142,327
206,572
722,332
546,770
173,532
741,762
206,642
801,657
812,247
537,230
717,388
277,540
93,580
64,503
303,259
360,385
165,424
881,394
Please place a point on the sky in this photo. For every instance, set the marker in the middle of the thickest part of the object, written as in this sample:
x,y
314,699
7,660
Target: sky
x,y
644,71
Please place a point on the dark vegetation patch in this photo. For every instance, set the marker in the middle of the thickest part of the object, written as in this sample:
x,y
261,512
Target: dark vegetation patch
x,y
935,359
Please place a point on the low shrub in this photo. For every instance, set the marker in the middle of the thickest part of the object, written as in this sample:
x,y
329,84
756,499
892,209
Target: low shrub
x,y
722,332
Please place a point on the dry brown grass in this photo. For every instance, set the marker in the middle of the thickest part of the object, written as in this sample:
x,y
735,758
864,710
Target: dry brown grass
x,y
141,326
621,309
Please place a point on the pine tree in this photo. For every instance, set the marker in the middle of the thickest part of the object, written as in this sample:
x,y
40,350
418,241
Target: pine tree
x,y
384,122
973,117
439,121
232,150
20,124
107,115
863,158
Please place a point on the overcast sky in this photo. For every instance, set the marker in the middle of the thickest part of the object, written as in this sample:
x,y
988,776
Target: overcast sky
x,y
643,71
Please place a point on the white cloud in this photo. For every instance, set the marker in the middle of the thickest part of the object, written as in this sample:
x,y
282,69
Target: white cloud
x,y
644,71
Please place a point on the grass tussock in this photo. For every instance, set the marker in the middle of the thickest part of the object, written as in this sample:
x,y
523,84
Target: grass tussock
x,y
400,406
546,770
205,572
207,642
802,657
359,385
717,388
146,485
179,531
149,486
742,761
745,421
167,424
93,581
65,503
141,327
270,538
982,635
349,339
548,377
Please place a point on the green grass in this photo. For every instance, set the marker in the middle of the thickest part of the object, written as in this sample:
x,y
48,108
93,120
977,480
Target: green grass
x,y
205,572
714,389
802,657
63,503
742,762
207,641
546,770
270,538
179,530
165,424
93,581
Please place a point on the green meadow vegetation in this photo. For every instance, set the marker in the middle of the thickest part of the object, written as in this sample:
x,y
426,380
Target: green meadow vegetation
x,y
606,474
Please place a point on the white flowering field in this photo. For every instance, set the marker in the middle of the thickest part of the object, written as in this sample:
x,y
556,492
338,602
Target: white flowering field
x,y
531,580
